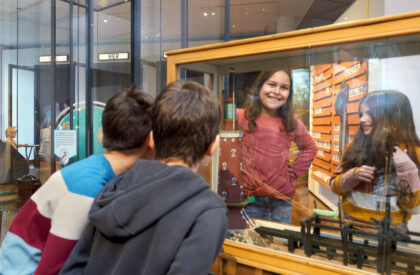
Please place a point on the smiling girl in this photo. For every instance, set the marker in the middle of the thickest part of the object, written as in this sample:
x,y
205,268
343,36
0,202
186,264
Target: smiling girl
x,y
386,128
270,126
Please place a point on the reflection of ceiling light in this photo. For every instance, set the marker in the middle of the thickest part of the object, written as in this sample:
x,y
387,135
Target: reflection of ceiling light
x,y
246,13
345,18
205,13
263,9
105,20
233,26
213,13
157,35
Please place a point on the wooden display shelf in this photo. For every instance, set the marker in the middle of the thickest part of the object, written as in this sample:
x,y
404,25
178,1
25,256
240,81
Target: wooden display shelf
x,y
321,121
324,76
322,129
353,129
326,156
323,111
350,71
320,94
324,165
357,82
339,68
353,107
322,137
322,85
321,68
326,102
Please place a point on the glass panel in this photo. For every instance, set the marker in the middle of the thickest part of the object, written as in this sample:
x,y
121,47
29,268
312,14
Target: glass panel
x,y
208,16
354,148
111,55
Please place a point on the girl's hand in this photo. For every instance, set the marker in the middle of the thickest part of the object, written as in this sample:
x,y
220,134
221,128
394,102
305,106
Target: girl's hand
x,y
364,173
399,156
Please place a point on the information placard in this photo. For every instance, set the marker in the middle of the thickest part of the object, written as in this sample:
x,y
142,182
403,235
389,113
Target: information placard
x,y
65,145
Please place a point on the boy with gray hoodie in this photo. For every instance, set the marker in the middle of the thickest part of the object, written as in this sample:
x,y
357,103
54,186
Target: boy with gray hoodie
x,y
160,217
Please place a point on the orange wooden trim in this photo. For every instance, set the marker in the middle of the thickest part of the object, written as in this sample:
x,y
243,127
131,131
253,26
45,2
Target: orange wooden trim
x,y
322,164
321,121
322,77
322,93
321,68
321,181
323,103
282,262
321,129
322,85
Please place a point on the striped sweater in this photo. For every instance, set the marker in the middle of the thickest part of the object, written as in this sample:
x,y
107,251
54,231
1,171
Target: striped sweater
x,y
363,201
48,226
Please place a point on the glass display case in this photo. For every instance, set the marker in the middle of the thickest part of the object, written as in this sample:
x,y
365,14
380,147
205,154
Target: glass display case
x,y
319,154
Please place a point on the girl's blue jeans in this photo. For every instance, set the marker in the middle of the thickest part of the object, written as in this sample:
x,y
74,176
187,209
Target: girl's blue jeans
x,y
269,208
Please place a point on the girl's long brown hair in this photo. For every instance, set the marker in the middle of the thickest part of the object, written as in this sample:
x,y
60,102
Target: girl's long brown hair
x,y
253,104
393,125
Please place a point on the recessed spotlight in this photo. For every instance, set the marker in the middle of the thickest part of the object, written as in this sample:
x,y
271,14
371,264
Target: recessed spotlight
x,y
263,9
105,20
213,13
205,13
233,26
345,18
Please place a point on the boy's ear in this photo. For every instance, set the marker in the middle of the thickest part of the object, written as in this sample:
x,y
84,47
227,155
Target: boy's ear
x,y
150,141
213,146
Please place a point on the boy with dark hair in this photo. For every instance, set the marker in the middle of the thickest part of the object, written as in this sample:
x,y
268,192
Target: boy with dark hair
x,y
48,226
160,217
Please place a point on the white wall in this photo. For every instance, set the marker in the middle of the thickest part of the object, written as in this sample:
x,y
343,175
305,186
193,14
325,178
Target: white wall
x,y
400,6
401,74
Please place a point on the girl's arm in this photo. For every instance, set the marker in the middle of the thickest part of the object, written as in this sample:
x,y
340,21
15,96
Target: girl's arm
x,y
307,150
407,174
342,182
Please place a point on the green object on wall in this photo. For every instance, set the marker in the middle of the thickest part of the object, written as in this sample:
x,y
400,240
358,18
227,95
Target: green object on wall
x,y
79,124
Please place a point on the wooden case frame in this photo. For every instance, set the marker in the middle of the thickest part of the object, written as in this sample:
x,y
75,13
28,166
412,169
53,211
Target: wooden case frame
x,y
259,259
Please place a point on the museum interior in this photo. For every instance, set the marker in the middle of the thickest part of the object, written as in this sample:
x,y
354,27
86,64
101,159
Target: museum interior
x,y
61,60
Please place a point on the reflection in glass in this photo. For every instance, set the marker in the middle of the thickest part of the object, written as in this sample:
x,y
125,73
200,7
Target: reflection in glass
x,y
270,126
379,169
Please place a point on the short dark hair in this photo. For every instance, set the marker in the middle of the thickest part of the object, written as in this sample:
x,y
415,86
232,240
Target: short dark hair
x,y
126,119
185,120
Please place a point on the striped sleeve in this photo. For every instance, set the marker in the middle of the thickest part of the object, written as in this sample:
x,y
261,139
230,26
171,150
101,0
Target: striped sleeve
x,y
68,222
23,245
45,230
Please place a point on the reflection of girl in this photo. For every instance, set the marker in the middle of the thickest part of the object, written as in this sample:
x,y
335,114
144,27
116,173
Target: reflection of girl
x,y
270,126
386,127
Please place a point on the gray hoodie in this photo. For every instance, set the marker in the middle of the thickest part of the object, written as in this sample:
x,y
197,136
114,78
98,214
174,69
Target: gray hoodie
x,y
153,219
